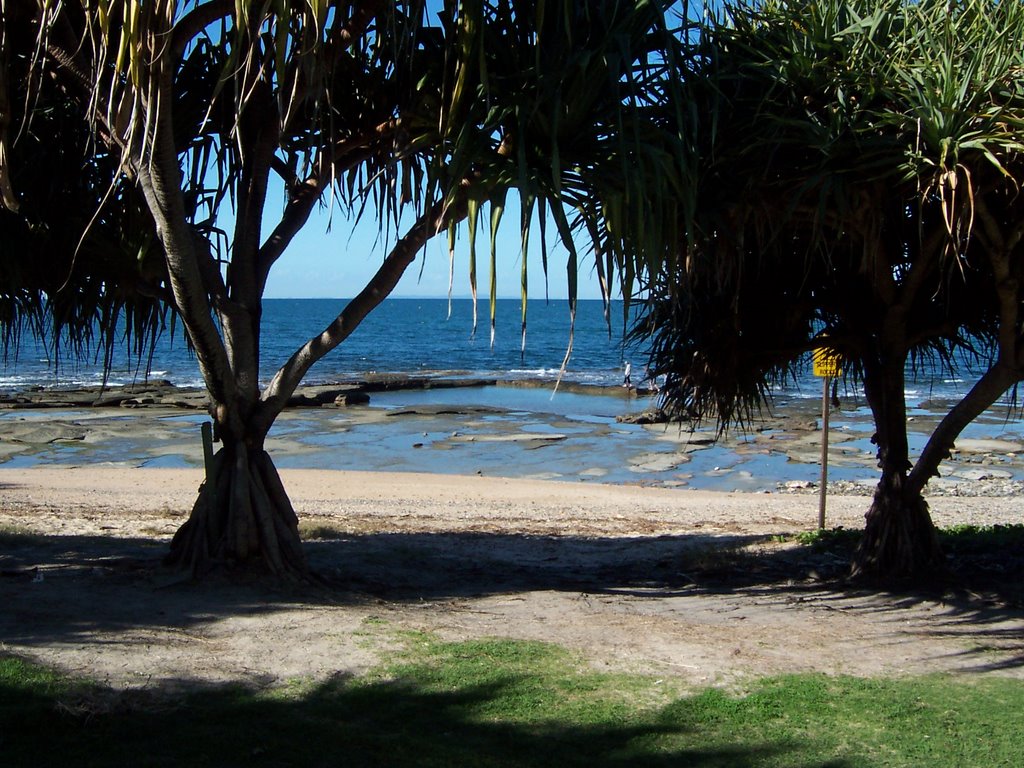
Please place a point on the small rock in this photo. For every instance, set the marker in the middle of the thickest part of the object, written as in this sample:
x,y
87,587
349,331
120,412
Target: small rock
x,y
797,485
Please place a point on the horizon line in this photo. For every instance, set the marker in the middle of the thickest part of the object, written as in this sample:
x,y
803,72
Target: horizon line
x,y
480,299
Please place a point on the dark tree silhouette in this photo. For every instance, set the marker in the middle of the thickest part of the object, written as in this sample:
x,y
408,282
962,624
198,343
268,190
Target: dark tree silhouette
x,y
857,187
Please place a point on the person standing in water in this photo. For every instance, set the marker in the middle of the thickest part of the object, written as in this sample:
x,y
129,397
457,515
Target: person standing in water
x,y
626,381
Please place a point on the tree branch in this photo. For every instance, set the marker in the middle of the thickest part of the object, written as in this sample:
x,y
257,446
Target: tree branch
x,y
305,194
240,316
983,394
160,180
1006,285
377,289
69,63
213,281
284,171
195,21
258,131
300,205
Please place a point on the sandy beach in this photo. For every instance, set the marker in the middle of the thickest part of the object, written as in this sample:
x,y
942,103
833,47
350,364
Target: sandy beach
x,y
409,502
627,577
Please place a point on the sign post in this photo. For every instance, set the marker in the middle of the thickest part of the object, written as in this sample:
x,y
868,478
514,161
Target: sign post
x,y
827,365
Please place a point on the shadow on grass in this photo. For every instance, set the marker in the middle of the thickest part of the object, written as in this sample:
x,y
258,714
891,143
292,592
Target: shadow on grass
x,y
45,721
117,584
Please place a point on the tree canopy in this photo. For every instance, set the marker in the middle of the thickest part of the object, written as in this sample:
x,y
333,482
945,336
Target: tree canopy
x,y
857,181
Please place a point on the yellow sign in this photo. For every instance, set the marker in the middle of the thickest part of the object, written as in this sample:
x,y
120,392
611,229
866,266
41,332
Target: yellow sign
x,y
827,363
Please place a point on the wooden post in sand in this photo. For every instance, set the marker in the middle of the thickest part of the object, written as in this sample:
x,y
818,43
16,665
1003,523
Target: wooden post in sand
x,y
827,365
824,452
207,431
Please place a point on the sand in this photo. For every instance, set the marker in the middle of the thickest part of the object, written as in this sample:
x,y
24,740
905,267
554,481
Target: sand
x,y
625,576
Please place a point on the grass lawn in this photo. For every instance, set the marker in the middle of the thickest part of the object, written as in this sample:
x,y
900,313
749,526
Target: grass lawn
x,y
503,703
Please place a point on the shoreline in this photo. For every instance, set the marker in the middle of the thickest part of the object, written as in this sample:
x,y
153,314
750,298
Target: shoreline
x,y
517,429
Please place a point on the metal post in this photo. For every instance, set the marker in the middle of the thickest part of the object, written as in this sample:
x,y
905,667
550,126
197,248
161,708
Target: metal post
x,y
824,452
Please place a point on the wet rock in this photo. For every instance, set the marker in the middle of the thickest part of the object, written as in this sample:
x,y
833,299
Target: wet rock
x,y
33,432
656,462
346,399
644,417
799,485
983,474
442,410
658,416
973,445
516,437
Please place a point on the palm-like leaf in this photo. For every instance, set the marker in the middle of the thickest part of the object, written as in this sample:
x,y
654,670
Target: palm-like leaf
x,y
843,149
79,265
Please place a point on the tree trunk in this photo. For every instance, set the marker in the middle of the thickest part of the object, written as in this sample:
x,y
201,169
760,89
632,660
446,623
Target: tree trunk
x,y
899,542
983,395
242,519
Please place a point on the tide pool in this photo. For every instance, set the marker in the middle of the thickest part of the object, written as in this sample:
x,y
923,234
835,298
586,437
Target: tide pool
x,y
509,432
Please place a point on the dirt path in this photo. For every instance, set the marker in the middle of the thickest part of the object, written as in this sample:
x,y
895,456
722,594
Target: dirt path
x,y
686,584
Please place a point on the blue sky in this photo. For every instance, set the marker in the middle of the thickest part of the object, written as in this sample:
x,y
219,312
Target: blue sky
x,y
338,263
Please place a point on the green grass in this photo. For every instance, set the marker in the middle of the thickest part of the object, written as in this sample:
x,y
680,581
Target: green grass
x,y
827,538
503,703
15,536
314,531
973,539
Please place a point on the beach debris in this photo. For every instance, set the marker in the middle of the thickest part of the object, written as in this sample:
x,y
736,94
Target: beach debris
x,y
346,399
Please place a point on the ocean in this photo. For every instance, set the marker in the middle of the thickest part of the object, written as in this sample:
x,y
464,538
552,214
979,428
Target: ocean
x,y
406,336
417,337
508,430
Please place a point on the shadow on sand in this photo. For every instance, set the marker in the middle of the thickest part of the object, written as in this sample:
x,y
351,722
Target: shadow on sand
x,y
118,584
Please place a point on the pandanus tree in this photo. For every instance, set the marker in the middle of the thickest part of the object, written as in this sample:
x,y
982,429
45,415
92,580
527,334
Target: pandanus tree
x,y
858,189
190,117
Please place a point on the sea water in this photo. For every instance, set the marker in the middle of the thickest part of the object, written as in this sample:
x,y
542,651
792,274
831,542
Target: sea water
x,y
504,430
425,337
422,337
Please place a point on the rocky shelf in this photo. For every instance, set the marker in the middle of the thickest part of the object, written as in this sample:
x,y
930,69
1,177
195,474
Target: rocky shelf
x,y
164,393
